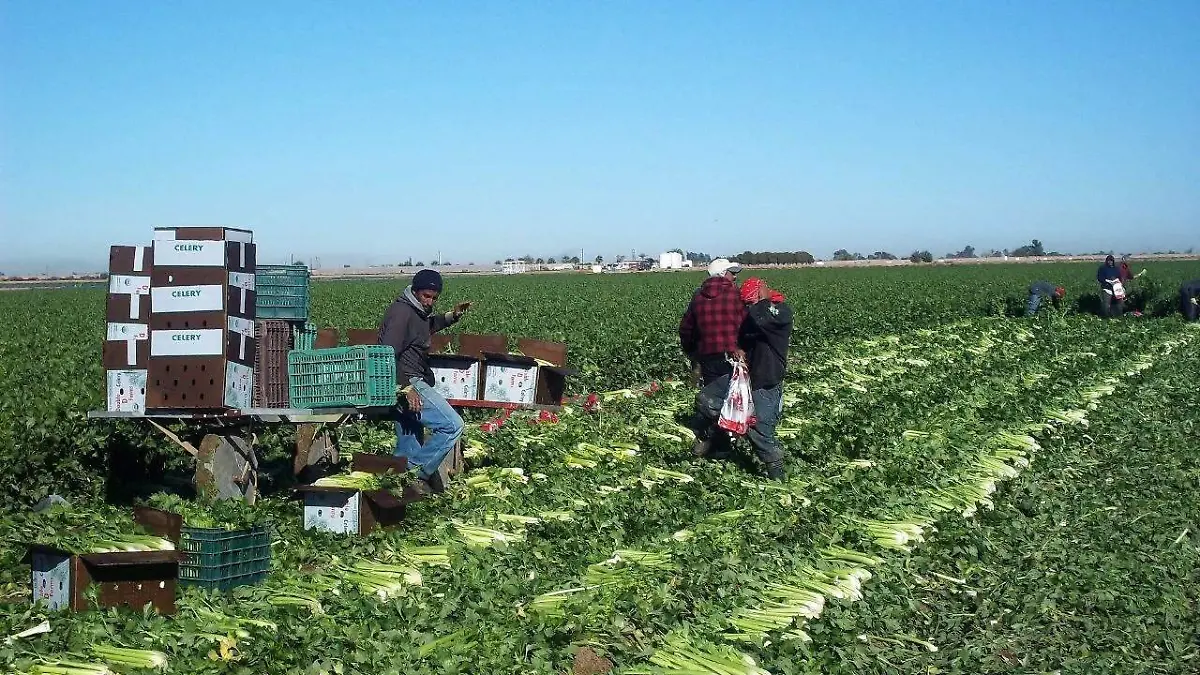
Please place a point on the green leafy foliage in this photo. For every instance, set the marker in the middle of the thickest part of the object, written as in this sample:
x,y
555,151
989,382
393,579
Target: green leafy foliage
x,y
927,444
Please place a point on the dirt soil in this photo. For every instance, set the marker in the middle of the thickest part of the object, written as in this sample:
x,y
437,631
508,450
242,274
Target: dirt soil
x,y
588,662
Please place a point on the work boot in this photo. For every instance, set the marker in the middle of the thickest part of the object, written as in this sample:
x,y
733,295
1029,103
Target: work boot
x,y
775,471
435,483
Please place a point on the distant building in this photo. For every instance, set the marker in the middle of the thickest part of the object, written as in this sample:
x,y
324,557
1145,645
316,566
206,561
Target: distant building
x,y
514,267
671,260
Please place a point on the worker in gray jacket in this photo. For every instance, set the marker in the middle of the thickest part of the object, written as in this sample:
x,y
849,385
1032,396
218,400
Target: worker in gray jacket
x,y
407,328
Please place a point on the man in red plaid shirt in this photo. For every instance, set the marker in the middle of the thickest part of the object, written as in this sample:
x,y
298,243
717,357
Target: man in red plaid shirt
x,y
708,334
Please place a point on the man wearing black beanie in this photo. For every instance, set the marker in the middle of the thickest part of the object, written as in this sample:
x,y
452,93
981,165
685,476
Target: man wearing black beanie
x,y
407,327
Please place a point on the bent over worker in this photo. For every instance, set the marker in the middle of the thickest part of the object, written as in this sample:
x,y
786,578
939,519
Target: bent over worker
x,y
407,328
765,336
1189,300
1041,290
708,334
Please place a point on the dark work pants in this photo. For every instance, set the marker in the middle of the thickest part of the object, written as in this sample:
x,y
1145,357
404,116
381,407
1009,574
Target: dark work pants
x,y
714,386
1188,306
1110,306
768,404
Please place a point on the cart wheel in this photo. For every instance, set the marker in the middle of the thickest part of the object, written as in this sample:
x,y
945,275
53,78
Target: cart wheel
x,y
227,468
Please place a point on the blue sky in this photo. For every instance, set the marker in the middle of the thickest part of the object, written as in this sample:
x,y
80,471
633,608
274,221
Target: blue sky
x,y
367,132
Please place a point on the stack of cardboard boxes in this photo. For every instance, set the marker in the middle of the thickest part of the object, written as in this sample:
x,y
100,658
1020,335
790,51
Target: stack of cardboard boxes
x,y
192,347
126,352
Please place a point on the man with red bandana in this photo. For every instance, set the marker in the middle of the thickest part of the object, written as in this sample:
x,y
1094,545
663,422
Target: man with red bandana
x,y
708,335
765,336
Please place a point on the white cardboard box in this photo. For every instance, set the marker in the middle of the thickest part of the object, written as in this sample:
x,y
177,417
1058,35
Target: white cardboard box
x,y
51,580
127,391
456,378
336,512
510,383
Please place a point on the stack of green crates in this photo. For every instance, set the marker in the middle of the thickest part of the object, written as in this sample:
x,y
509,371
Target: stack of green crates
x,y
304,335
218,560
358,376
282,292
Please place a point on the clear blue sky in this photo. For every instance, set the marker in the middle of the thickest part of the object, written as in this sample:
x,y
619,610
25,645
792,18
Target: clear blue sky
x,y
371,131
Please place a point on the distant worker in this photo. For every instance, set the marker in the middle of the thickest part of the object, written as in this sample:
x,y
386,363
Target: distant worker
x,y
1126,271
708,334
1109,276
765,336
407,328
1189,300
1041,290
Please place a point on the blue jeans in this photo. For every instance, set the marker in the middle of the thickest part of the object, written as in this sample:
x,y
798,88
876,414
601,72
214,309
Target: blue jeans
x,y
1035,300
768,405
444,426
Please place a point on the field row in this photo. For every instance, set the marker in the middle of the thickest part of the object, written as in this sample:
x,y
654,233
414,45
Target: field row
x,y
612,537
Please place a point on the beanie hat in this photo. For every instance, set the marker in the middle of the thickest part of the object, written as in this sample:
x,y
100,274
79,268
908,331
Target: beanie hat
x,y
427,280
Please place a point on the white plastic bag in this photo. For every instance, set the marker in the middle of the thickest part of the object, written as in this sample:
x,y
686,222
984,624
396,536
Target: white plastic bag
x,y
1118,290
737,414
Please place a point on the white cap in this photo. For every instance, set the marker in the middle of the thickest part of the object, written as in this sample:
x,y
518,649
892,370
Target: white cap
x,y
720,266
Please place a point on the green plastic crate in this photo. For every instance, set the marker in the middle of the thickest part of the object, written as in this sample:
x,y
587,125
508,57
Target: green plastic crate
x,y
358,376
304,336
218,560
281,292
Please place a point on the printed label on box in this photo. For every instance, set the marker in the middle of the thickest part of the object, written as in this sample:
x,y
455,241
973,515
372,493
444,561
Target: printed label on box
x,y
336,512
239,386
128,331
239,325
126,391
242,280
52,580
244,283
205,342
457,382
510,384
189,253
125,284
170,299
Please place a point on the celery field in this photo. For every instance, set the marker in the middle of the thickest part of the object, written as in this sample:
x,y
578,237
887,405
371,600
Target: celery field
x,y
969,491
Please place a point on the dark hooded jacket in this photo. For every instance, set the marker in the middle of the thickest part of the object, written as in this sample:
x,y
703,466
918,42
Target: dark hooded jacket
x,y
1107,273
765,335
407,328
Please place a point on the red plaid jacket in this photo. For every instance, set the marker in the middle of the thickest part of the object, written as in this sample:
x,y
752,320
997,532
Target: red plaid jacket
x,y
710,324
